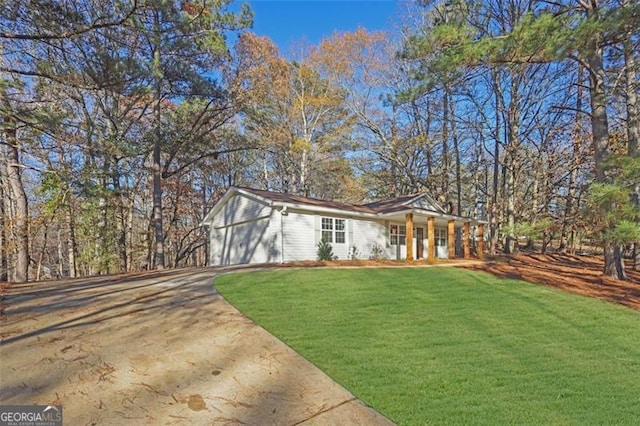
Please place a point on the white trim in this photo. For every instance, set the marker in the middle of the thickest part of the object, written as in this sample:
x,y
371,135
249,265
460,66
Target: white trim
x,y
325,210
230,193
459,219
429,199
283,213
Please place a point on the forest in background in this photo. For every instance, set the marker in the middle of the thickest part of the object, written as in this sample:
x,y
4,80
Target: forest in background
x,y
123,121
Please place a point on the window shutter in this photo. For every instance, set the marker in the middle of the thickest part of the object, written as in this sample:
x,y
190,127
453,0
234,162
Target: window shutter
x,y
386,234
318,229
349,224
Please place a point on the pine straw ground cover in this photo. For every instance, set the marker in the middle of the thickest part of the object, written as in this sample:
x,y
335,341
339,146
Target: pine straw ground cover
x,y
572,273
453,346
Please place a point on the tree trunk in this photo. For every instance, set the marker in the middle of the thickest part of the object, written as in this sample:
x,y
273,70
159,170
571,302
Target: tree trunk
x,y
609,264
304,186
599,117
130,240
633,111
43,250
71,243
480,180
265,173
546,239
535,193
613,261
599,120
493,212
157,208
573,174
511,246
456,153
20,205
619,262
633,125
122,238
4,261
120,218
60,247
157,166
445,146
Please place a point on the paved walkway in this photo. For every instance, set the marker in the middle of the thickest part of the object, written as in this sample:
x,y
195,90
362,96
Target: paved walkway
x,y
158,348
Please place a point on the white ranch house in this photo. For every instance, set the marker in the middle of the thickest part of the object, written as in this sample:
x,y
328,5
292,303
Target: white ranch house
x,y
251,226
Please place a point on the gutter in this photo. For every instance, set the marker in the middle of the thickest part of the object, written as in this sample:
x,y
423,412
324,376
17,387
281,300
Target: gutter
x,y
351,213
306,207
436,214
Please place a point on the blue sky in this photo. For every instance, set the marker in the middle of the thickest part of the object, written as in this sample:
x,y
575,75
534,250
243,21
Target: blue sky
x,y
287,22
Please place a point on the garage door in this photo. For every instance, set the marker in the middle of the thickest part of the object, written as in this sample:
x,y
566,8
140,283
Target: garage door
x,y
247,243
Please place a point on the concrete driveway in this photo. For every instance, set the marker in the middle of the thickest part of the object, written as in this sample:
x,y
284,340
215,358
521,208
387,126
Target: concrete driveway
x,y
158,348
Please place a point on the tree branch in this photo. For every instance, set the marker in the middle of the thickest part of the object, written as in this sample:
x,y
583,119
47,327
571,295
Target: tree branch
x,y
215,154
72,33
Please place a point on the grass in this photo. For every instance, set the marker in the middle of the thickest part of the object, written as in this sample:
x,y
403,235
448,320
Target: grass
x,y
450,346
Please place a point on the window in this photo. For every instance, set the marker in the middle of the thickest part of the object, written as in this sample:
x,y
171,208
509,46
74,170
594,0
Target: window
x,y
398,235
441,237
327,229
340,231
334,230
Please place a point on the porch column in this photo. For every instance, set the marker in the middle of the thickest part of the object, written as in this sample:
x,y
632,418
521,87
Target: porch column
x,y
451,239
431,235
480,241
409,224
465,240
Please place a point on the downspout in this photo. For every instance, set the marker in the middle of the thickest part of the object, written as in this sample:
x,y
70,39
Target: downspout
x,y
283,213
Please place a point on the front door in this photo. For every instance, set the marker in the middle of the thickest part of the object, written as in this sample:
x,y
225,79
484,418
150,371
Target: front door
x,y
419,243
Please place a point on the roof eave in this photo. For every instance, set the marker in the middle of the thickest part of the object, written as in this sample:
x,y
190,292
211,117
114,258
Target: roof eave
x,y
329,210
217,206
320,209
223,200
434,214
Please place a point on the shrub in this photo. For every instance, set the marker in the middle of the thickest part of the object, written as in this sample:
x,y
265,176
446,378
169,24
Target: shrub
x,y
377,253
354,253
325,251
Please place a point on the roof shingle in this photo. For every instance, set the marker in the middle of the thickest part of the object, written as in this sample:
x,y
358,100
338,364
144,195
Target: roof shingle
x,y
384,206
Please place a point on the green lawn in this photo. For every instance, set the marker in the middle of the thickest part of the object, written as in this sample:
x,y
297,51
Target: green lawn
x,y
450,346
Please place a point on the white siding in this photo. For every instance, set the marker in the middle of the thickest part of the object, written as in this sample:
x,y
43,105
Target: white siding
x,y
242,232
249,242
299,237
302,234
239,208
367,234
422,203
427,203
275,222
215,246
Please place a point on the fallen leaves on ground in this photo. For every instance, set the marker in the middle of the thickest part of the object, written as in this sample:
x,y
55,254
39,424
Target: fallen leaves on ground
x,y
573,273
